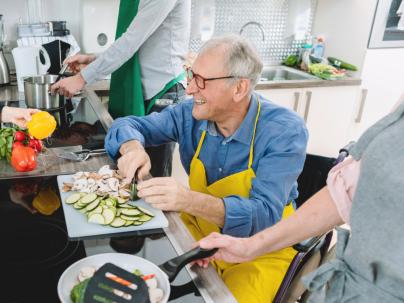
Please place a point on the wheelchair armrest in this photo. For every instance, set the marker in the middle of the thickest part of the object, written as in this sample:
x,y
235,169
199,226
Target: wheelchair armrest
x,y
308,244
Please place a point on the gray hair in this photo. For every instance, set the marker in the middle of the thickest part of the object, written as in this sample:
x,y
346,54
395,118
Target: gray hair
x,y
241,59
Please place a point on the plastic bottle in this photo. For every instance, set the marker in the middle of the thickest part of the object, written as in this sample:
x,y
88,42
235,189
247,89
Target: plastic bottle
x,y
318,49
305,54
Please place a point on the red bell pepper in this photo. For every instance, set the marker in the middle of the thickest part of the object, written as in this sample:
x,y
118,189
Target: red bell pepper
x,y
23,158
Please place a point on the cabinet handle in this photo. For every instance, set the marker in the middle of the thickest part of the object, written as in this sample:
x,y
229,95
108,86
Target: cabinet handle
x,y
296,103
361,106
307,108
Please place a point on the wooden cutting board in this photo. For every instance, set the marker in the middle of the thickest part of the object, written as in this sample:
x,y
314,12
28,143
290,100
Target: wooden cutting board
x,y
78,227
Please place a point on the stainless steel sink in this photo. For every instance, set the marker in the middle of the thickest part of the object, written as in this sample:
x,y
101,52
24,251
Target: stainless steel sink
x,y
283,73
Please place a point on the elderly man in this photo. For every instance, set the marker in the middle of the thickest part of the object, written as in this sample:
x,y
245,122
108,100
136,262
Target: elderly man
x,y
243,155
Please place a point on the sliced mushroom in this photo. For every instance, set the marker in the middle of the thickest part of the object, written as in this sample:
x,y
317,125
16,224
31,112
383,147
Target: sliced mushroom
x,y
105,171
113,184
124,194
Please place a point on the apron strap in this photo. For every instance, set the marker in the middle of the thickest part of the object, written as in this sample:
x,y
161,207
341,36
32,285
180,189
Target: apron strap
x,y
250,160
165,89
198,149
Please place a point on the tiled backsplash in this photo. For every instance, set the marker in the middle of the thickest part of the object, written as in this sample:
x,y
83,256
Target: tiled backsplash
x,y
231,15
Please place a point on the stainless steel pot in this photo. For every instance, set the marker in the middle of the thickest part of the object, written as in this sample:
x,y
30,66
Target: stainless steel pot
x,y
37,93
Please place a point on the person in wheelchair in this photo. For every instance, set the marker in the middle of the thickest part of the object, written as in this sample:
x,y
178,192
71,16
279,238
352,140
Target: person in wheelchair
x,y
366,191
243,155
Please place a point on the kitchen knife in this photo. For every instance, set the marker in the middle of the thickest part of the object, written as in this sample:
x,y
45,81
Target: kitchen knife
x,y
133,189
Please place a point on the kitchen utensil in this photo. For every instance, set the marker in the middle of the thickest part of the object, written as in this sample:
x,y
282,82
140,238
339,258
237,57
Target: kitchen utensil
x,y
165,273
133,186
61,73
4,70
28,63
82,155
78,226
37,93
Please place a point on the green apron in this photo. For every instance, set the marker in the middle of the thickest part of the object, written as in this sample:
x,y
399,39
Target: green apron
x,y
126,95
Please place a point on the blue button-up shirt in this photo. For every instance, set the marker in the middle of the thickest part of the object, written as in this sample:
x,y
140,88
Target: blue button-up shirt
x,y
279,154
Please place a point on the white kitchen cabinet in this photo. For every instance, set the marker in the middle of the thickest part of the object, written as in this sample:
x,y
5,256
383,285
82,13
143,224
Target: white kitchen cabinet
x,y
327,111
382,86
289,98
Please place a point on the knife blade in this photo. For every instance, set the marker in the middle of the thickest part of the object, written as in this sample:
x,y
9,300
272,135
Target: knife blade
x,y
68,155
133,187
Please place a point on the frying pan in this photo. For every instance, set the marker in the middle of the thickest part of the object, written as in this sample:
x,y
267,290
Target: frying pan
x,y
165,273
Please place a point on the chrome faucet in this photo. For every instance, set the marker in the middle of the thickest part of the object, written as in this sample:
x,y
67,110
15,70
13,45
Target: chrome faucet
x,y
259,25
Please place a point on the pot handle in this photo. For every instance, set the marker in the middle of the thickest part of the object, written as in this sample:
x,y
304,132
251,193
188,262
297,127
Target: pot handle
x,y
173,267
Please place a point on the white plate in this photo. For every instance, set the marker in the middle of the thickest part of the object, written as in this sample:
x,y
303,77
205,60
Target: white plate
x,y
78,227
129,262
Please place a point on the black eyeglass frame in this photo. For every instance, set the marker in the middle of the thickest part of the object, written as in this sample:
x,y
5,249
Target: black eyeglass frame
x,y
188,69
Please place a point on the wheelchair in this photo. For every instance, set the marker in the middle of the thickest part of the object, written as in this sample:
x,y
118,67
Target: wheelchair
x,y
312,251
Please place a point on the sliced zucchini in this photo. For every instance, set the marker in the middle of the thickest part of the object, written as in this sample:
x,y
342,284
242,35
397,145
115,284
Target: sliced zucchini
x,y
121,200
130,211
110,202
96,218
88,198
97,210
73,198
144,218
109,215
145,211
118,222
128,223
126,205
83,210
130,218
137,223
78,205
93,205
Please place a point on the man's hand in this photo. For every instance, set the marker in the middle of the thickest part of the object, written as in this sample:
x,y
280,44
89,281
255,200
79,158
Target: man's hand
x,y
77,62
18,116
134,159
165,193
68,86
232,250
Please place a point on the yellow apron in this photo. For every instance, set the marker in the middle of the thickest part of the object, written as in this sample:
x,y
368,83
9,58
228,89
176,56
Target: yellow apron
x,y
249,282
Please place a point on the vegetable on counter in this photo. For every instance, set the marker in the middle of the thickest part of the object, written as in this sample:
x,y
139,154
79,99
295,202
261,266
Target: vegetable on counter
x,y
341,64
326,72
42,125
23,158
291,60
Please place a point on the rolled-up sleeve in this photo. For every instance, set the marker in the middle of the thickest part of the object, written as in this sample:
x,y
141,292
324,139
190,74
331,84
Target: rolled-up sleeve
x,y
276,175
152,130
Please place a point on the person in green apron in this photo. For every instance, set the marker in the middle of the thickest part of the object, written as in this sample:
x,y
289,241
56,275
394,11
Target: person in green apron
x,y
146,64
242,153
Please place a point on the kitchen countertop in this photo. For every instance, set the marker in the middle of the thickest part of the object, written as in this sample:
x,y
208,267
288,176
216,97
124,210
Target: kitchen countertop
x,y
209,284
102,87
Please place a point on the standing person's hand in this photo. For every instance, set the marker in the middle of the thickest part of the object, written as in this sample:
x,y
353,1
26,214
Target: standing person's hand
x,y
231,249
134,161
164,193
77,62
68,87
18,116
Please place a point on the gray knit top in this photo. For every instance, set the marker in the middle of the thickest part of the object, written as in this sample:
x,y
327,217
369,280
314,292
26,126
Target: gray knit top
x,y
369,266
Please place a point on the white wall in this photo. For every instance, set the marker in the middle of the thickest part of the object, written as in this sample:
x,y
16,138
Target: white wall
x,y
64,10
346,25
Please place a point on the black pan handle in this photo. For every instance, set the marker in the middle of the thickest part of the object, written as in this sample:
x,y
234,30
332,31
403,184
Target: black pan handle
x,y
173,267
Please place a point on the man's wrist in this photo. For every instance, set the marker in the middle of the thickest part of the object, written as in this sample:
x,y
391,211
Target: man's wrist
x,y
131,145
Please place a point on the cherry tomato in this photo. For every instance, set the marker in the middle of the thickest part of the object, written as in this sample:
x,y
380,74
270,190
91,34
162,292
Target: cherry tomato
x,y
32,143
20,136
38,145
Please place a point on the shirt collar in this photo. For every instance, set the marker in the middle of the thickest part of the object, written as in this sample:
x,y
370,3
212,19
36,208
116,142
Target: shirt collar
x,y
244,133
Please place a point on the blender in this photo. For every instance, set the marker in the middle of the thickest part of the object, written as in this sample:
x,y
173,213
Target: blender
x,y
4,71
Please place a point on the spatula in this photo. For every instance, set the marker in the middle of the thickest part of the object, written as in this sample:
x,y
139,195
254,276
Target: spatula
x,y
104,287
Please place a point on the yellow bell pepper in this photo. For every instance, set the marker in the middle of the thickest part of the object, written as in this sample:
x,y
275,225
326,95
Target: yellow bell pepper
x,y
42,125
46,202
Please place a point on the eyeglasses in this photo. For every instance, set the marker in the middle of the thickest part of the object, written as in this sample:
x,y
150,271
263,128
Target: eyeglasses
x,y
199,80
